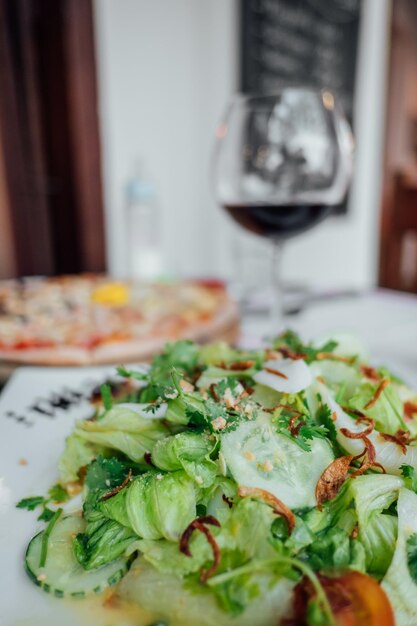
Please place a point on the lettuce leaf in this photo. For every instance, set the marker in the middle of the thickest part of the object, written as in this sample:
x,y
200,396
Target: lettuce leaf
x,y
214,374
333,550
245,533
77,453
362,502
121,419
343,379
399,582
190,452
218,352
166,597
378,537
124,430
387,410
332,513
266,396
103,476
373,495
103,541
166,558
247,530
106,537
161,505
115,508
180,409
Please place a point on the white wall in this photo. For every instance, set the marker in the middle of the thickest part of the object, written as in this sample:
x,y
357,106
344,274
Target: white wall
x,y
166,70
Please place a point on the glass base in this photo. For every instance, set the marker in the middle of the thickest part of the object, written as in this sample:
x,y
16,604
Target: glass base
x,y
259,301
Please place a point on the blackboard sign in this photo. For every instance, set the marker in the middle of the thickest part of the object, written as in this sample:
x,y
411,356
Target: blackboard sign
x,y
309,42
301,42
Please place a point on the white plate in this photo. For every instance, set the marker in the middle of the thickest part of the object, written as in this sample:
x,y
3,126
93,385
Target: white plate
x,y
32,435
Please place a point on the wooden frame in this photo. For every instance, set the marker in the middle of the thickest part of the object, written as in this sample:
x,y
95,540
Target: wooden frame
x,y
50,135
399,191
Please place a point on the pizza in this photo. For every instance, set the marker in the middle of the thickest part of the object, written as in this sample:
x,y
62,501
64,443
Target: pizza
x,y
90,319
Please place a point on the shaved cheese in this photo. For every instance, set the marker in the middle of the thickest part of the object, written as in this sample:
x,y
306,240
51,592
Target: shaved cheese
x,y
291,377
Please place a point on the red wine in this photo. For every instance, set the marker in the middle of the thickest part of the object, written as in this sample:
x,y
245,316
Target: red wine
x,y
275,221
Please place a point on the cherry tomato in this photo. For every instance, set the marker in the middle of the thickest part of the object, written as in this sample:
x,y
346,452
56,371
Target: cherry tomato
x,y
356,600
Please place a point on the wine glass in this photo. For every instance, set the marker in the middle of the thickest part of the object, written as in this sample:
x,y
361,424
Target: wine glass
x,y
281,163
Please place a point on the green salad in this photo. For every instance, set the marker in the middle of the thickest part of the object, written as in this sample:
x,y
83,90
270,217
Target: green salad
x,y
262,488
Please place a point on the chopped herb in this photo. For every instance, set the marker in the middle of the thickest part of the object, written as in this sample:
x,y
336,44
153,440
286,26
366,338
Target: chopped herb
x,y
58,494
31,503
197,416
46,515
182,355
324,418
224,384
106,396
316,615
105,473
410,477
125,373
45,538
300,428
293,343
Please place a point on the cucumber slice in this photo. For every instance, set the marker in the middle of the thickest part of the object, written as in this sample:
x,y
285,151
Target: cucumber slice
x,y
257,456
62,575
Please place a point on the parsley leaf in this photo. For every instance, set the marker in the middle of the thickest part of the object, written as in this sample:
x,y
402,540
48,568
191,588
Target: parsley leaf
x,y
105,473
197,416
106,396
412,556
310,430
178,361
324,418
333,550
125,373
292,341
182,355
410,477
46,515
58,494
299,428
155,391
224,384
45,538
31,503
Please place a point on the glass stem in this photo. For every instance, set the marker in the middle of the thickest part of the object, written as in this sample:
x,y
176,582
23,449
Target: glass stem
x,y
277,294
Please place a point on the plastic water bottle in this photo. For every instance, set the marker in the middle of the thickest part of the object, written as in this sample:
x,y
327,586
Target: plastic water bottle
x,y
143,231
